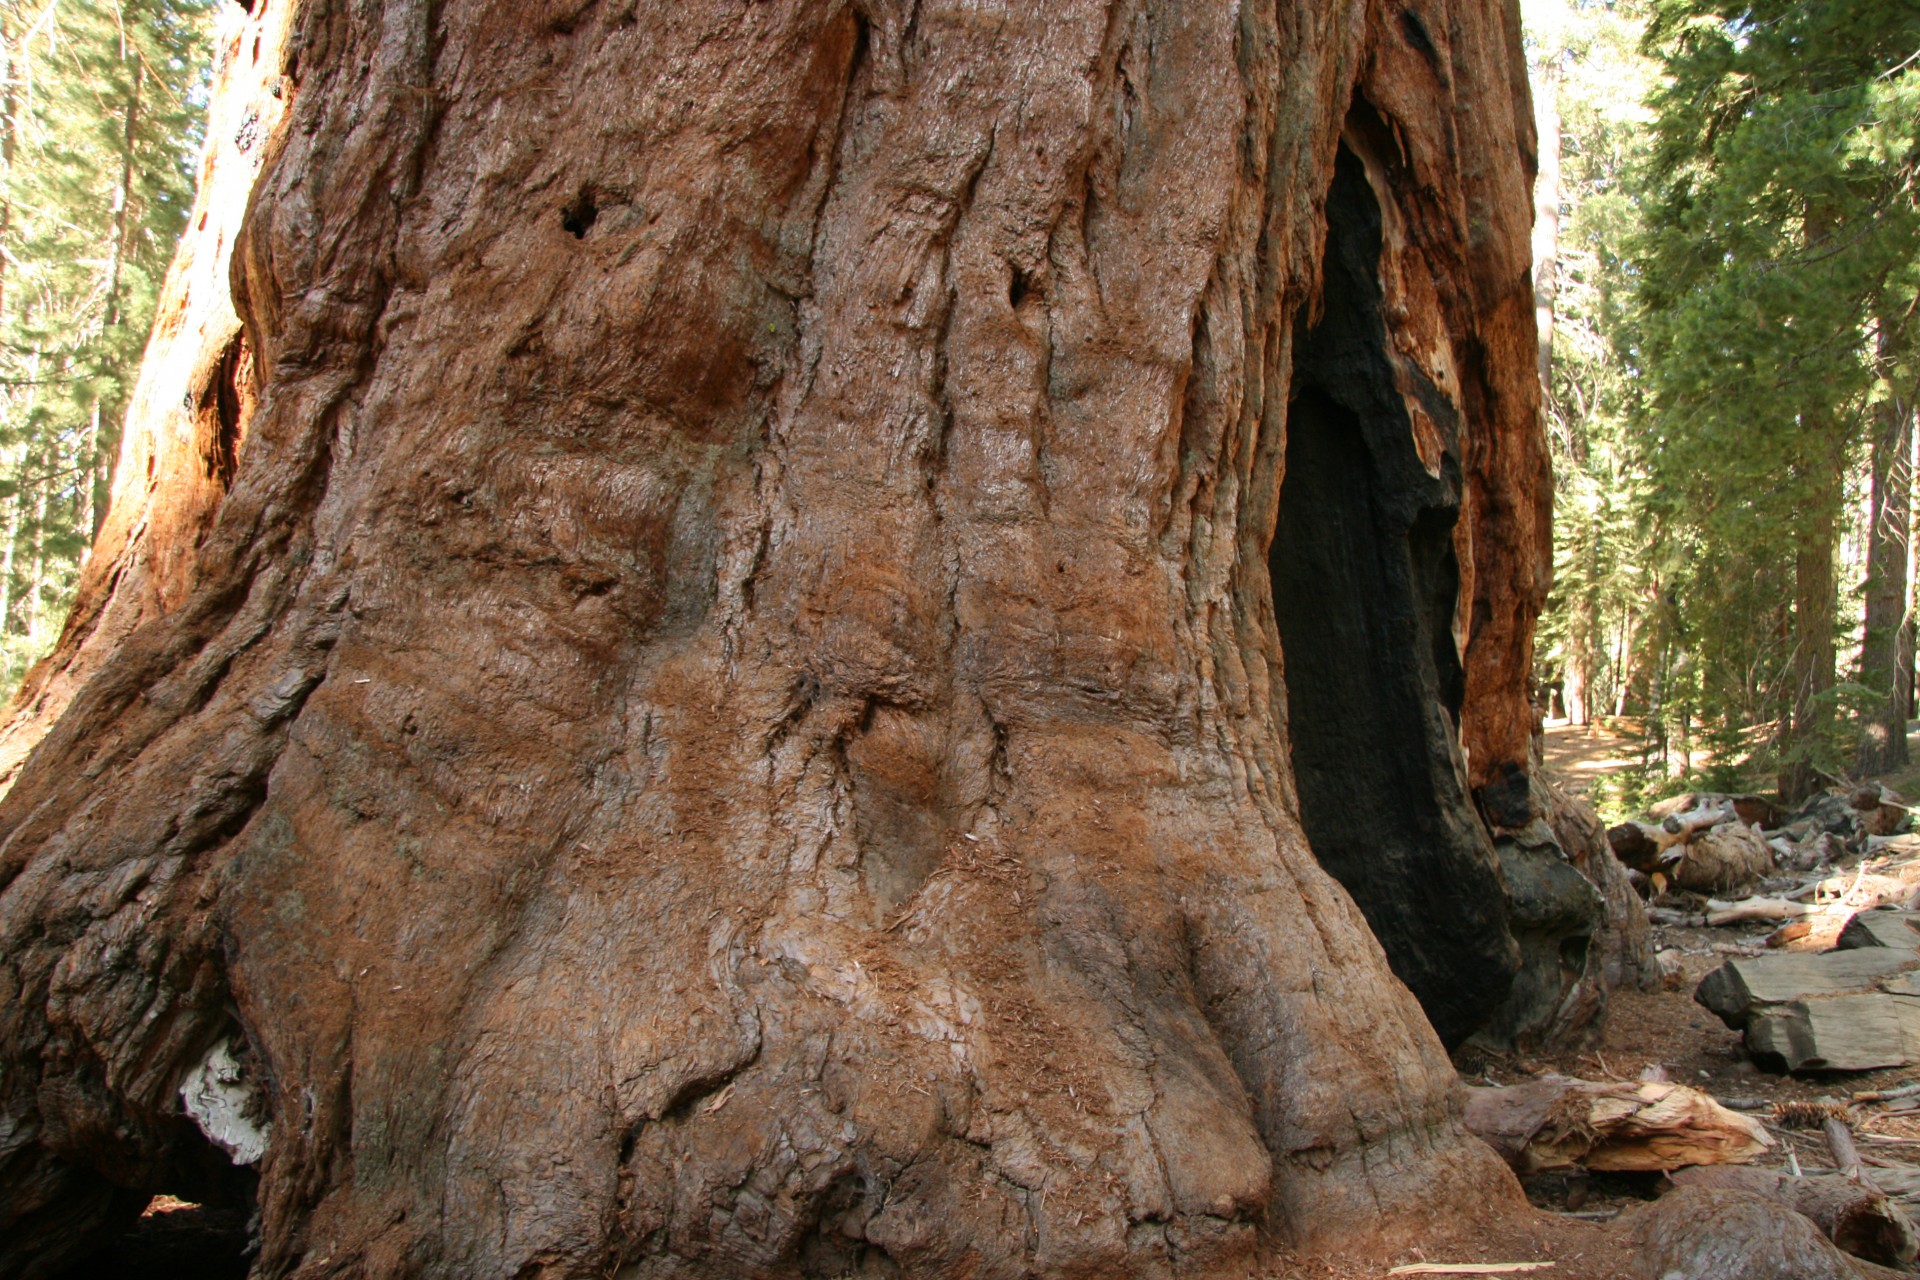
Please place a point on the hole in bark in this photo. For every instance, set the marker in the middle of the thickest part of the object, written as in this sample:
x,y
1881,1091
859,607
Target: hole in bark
x,y
837,1247
1365,581
1416,33
1017,290
231,400
174,1240
578,218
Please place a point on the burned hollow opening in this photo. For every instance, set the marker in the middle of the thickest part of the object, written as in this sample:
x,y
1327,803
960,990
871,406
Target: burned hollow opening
x,y
1365,582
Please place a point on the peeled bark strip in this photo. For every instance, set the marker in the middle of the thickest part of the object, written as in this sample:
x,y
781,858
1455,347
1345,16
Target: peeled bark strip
x,y
690,678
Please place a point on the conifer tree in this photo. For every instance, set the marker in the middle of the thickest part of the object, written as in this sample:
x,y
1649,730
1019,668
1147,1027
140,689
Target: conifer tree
x,y
1776,264
102,106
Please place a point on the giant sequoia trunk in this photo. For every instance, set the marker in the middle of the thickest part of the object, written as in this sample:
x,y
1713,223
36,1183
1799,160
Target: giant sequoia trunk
x,y
683,674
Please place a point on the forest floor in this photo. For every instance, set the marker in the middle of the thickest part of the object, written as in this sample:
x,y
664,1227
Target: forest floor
x,y
1579,755
1660,1033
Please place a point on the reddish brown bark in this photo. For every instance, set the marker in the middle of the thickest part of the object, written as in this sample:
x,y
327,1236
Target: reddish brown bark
x,y
702,696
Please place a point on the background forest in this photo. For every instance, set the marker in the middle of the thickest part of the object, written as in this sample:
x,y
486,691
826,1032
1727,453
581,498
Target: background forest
x,y
100,118
1728,274
1728,262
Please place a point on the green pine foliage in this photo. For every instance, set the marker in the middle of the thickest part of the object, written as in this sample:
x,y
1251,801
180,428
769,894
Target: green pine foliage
x,y
1779,235
1740,263
100,118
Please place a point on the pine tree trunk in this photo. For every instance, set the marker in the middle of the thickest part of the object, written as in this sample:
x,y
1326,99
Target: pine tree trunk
x,y
11,59
1810,714
85,523
1546,220
1886,661
31,598
121,223
700,695
10,531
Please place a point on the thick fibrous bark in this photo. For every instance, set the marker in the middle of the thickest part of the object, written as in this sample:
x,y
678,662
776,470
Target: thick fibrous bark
x,y
697,689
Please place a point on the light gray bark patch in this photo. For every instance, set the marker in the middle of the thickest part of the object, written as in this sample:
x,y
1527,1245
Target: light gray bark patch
x,y
221,1100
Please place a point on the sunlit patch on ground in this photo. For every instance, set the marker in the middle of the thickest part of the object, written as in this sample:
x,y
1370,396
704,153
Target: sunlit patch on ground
x,y
166,1204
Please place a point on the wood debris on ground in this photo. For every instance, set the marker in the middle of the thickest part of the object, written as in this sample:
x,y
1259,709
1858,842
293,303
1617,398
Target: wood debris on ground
x,y
1642,1125
1816,964
1466,1268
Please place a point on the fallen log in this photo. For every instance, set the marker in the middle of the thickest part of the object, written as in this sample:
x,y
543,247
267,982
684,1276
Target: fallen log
x,y
1712,1233
1755,811
1643,1126
1860,1219
1852,1010
1727,858
1898,930
1741,987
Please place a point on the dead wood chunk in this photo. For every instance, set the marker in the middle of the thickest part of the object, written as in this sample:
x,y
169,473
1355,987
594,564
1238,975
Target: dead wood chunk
x,y
1741,987
1687,825
1646,1125
1686,800
1635,844
1838,1033
1901,1182
1755,811
1710,1233
1880,811
1830,811
1725,913
1727,858
1861,1220
1899,930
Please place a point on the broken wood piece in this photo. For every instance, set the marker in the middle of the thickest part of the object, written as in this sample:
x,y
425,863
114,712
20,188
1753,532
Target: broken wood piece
x,y
1647,1125
1688,825
1724,913
1755,811
1860,1219
1846,1156
1888,1095
1466,1268
1729,858
1880,811
1640,845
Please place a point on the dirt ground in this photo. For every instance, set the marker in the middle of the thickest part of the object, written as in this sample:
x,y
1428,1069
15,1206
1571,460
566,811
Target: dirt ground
x,y
1578,755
